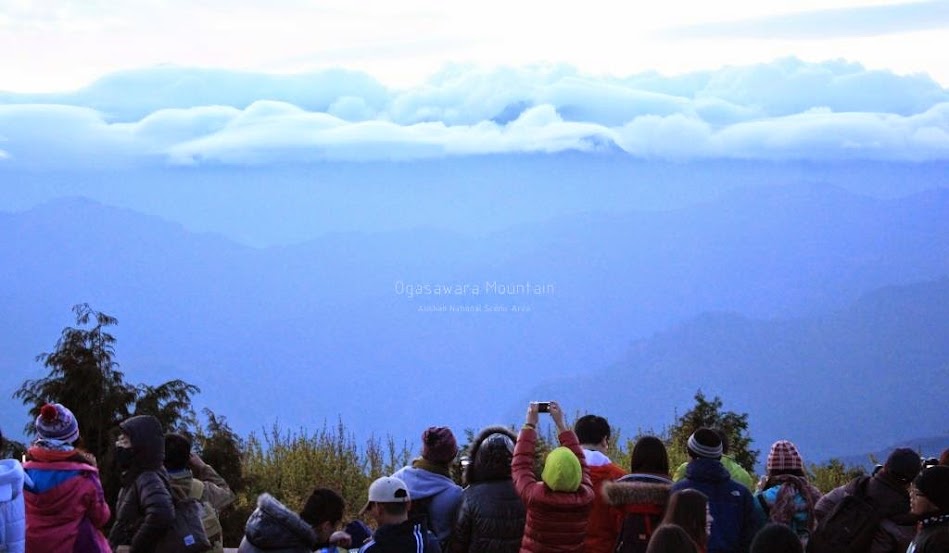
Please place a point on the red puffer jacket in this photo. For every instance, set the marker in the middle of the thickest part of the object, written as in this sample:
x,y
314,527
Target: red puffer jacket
x,y
556,521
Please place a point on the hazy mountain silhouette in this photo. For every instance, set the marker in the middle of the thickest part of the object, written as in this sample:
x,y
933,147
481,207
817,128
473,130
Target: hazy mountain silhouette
x,y
853,381
308,332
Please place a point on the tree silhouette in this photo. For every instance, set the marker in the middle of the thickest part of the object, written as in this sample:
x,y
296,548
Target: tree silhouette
x,y
84,376
709,414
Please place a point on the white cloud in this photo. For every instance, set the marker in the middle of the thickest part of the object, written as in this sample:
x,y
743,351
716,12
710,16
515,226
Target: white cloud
x,y
784,110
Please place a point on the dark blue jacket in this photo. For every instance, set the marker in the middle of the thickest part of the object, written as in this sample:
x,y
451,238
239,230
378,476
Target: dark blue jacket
x,y
735,521
407,537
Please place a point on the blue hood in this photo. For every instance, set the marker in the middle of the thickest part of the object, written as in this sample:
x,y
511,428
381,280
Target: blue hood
x,y
707,470
423,483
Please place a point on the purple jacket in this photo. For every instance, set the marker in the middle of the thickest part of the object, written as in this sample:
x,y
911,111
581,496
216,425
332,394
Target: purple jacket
x,y
65,507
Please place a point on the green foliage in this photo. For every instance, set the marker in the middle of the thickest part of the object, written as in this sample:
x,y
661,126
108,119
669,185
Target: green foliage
x,y
289,465
709,414
170,403
84,376
11,449
833,474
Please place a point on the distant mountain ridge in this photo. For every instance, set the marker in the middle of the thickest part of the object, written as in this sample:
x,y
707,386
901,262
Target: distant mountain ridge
x,y
283,326
834,384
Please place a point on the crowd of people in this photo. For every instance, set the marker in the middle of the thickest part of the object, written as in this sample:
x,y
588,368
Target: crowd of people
x,y
574,500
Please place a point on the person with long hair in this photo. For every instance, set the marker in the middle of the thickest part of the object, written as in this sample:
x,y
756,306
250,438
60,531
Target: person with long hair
x,y
669,538
640,497
784,495
689,509
492,515
65,505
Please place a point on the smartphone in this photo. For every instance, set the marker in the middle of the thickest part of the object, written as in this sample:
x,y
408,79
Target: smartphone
x,y
543,406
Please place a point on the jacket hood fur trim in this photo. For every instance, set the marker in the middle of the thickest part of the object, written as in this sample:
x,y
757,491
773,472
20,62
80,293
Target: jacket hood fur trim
x,y
478,472
636,493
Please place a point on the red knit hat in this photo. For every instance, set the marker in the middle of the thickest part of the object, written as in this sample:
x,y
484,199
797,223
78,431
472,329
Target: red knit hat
x,y
439,445
784,457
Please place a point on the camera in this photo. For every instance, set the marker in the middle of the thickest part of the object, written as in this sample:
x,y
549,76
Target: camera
x,y
543,406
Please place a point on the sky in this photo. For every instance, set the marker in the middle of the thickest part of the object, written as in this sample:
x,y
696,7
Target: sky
x,y
58,45
103,84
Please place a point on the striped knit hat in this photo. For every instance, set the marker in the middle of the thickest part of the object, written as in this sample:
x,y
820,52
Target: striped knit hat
x,y
784,457
704,442
57,423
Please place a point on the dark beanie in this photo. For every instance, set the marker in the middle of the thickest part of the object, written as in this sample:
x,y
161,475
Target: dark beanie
x,y
776,538
704,442
934,484
438,445
903,465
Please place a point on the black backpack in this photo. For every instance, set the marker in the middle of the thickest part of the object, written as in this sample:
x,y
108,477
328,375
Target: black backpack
x,y
638,526
850,526
186,534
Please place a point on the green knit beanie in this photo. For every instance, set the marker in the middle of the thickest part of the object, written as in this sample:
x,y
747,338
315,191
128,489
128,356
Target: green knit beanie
x,y
562,471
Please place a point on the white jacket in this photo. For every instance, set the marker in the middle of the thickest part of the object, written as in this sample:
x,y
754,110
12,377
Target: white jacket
x,y
12,510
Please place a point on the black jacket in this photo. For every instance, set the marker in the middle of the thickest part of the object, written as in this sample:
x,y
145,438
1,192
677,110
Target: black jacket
x,y
275,528
407,537
491,517
933,537
144,509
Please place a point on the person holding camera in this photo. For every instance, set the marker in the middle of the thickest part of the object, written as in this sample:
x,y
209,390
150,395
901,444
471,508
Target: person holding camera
x,y
558,505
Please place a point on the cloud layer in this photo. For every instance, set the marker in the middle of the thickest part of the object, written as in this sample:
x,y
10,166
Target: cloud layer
x,y
787,109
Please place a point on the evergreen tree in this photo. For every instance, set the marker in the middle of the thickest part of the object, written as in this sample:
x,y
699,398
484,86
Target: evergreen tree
x,y
84,376
709,414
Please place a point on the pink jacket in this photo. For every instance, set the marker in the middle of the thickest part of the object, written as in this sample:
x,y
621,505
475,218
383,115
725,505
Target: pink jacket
x,y
66,508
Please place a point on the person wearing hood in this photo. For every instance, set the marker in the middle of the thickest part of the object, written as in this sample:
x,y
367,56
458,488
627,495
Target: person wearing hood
x,y
144,511
435,496
734,519
558,505
274,528
12,508
593,431
784,495
65,504
640,496
491,517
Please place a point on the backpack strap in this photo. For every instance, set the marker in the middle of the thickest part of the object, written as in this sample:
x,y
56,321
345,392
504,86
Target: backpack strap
x,y
764,505
197,489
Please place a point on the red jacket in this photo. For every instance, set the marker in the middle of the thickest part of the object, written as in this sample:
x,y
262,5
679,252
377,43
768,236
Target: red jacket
x,y
605,520
556,521
65,508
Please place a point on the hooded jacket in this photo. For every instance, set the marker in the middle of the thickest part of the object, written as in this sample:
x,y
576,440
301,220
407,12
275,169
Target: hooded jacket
x,y
144,509
638,494
274,528
12,509
605,521
737,472
65,505
444,493
735,520
491,517
556,521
